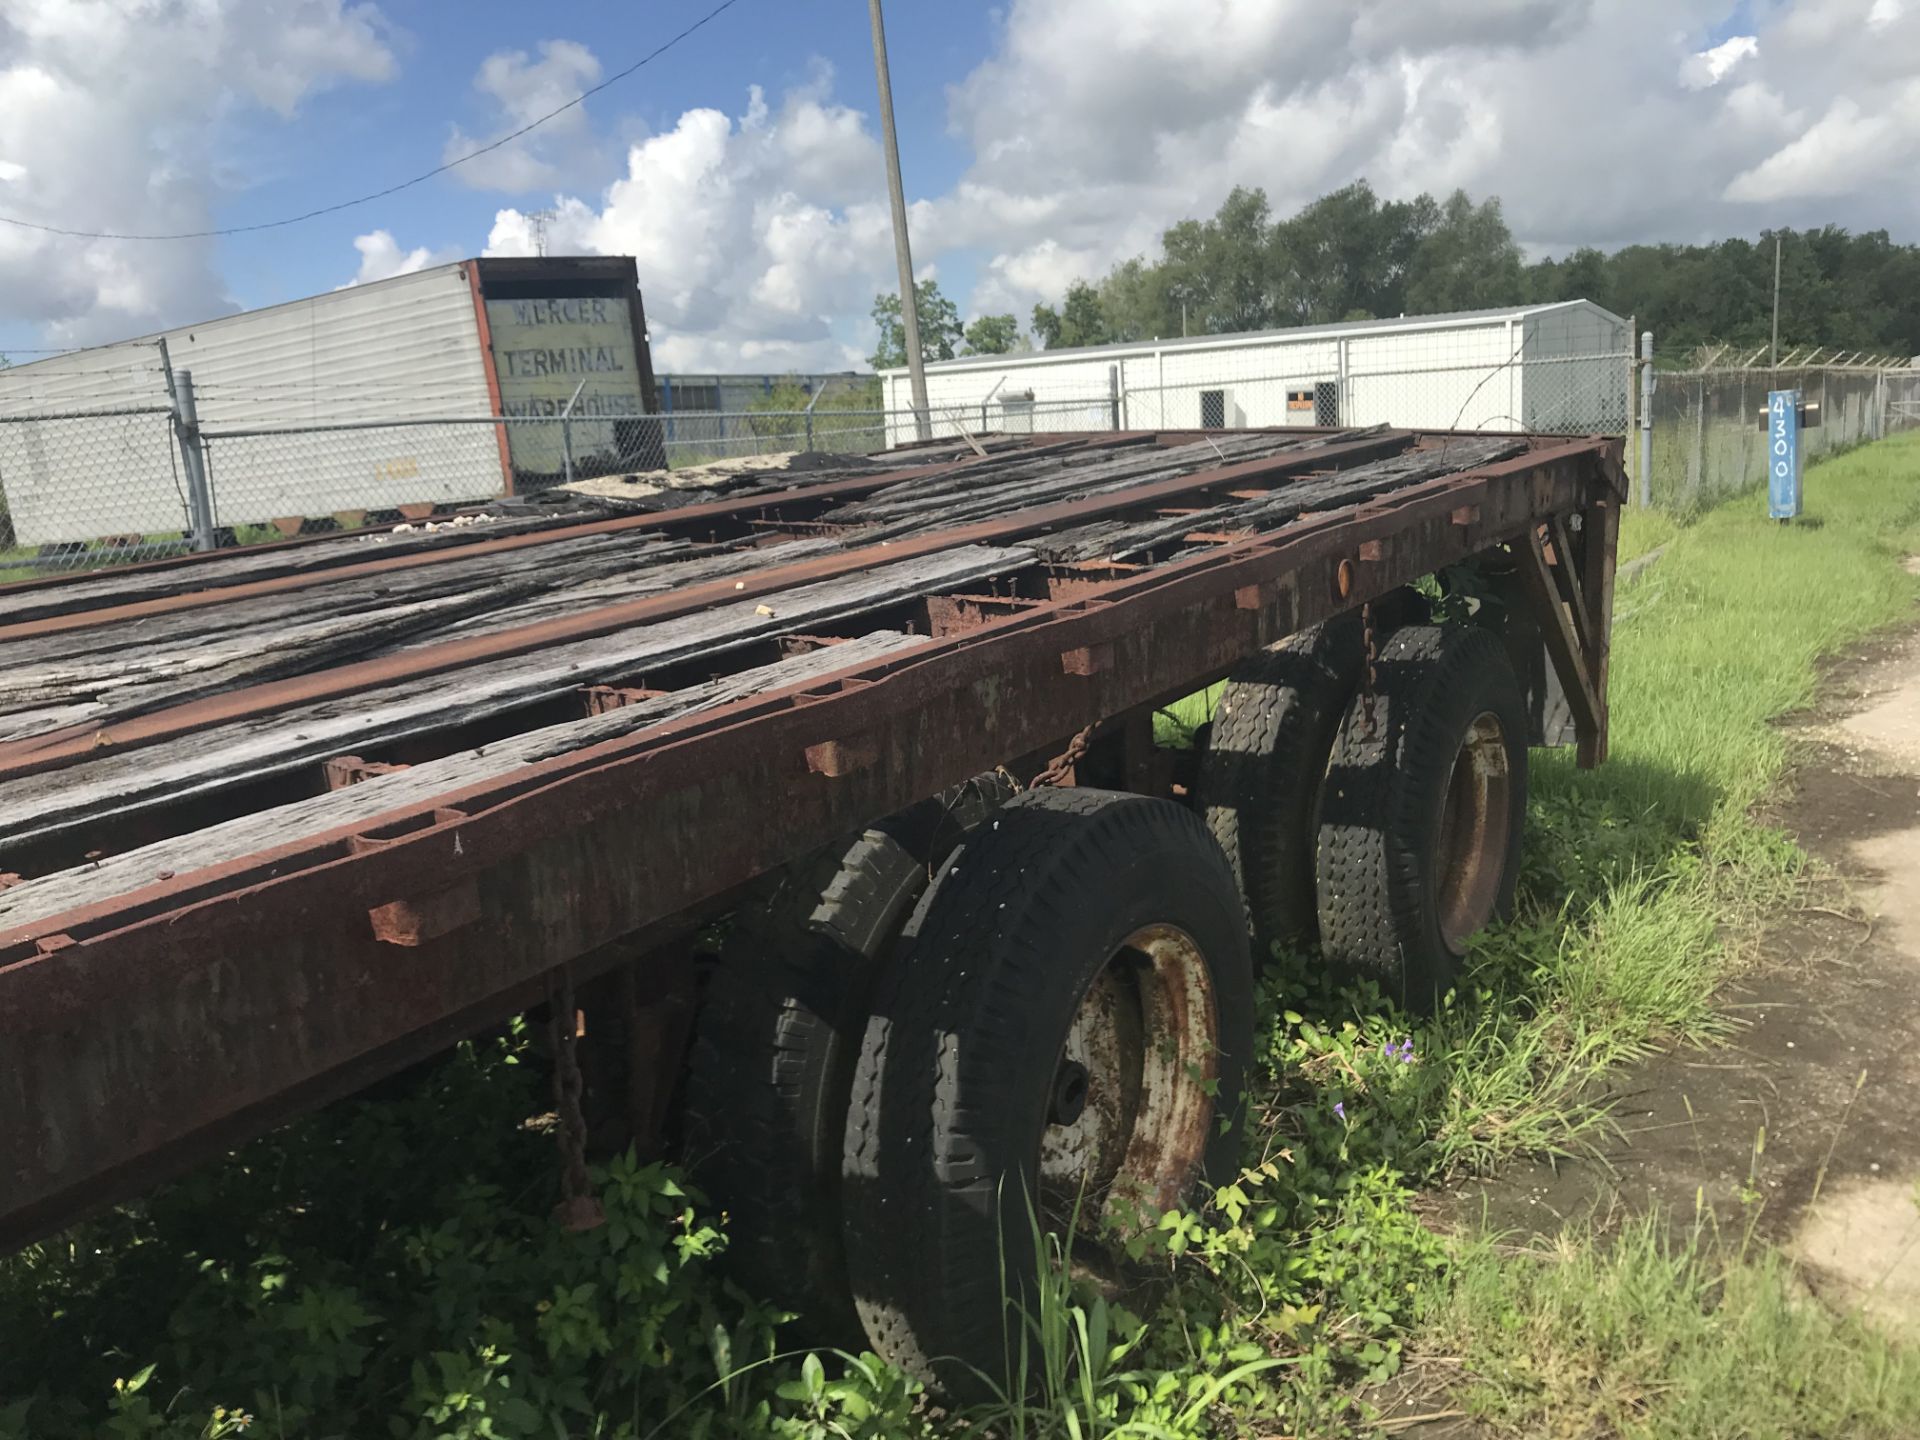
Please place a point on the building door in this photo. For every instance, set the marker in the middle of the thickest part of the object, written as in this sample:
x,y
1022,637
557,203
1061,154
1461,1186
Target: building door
x,y
1326,402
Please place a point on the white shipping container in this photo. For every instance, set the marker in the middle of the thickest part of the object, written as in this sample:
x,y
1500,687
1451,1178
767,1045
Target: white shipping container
x,y
396,348
438,344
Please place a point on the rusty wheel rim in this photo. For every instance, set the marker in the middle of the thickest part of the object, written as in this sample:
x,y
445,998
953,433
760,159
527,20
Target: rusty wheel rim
x,y
1471,856
1129,1110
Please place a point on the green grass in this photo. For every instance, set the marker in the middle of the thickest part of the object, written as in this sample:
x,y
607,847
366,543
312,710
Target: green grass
x,y
390,1267
1665,857
1650,1335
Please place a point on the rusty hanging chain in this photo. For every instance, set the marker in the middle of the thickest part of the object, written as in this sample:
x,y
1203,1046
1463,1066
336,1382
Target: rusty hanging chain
x,y
1367,675
1060,769
579,1208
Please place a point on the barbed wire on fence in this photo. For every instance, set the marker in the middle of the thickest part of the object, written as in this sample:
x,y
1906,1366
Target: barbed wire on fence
x,y
1707,437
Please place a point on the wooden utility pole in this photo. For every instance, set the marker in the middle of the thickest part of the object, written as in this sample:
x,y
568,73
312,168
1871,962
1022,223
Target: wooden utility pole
x,y
909,310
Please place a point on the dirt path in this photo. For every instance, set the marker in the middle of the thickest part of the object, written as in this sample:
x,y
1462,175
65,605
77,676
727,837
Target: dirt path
x,y
1827,1063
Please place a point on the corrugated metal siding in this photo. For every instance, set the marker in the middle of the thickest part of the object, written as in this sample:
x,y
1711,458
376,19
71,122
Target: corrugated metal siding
x,y
1577,376
396,349
1465,383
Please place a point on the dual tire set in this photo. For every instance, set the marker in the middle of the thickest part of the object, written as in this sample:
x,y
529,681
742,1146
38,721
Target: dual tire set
x,y
1001,1012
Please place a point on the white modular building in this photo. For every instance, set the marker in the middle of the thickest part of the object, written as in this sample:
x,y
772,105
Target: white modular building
x,y
1561,367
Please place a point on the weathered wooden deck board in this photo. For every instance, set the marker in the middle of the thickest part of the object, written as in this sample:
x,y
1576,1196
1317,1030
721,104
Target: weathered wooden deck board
x,y
584,558
117,784
1131,540
205,658
116,671
233,839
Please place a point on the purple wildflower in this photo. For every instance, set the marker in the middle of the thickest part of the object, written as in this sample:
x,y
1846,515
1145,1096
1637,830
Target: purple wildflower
x,y
1340,1109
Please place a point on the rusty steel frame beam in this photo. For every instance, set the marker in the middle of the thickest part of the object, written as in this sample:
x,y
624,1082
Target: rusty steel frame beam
x,y
1557,629
1600,530
72,744
203,1008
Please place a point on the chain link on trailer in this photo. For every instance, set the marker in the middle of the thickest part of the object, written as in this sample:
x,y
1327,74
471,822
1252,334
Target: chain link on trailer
x,y
579,1208
1367,676
1059,770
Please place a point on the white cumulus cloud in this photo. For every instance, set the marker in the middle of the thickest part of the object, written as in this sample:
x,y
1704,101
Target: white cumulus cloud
x,y
1704,69
760,238
381,258
1096,123
520,90
110,118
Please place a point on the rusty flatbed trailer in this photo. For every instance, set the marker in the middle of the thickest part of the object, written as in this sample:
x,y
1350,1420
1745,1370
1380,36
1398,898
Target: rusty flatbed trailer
x,y
277,823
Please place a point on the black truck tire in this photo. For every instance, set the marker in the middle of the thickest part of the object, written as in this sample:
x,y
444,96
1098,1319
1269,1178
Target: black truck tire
x,y
1422,813
775,1043
1267,753
1070,1020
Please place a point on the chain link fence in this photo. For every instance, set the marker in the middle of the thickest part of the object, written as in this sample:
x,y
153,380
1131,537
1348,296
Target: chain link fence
x,y
702,437
87,483
1709,442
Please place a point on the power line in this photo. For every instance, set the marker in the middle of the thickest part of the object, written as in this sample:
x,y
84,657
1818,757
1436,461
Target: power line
x,y
419,179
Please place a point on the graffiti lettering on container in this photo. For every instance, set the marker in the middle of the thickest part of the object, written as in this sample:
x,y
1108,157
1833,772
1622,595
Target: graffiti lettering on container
x,y
404,469
588,406
563,312
572,360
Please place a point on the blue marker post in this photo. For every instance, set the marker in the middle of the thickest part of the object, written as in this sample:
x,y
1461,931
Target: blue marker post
x,y
1783,454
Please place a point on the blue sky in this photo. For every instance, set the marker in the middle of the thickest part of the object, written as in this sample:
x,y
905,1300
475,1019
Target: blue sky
x,y
355,138
1043,141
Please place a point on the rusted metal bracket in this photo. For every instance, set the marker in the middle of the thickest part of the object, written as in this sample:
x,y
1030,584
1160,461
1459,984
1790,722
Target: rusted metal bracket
x,y
602,699
427,917
957,614
1563,566
344,770
1087,660
1557,629
837,759
807,644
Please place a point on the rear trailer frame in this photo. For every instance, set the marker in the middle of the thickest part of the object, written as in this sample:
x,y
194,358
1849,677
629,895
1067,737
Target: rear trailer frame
x,y
165,1014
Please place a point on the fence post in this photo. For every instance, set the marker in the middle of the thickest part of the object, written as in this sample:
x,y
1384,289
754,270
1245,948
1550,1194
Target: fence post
x,y
818,392
193,459
1632,398
1825,413
186,431
566,430
1697,468
1646,419
1113,393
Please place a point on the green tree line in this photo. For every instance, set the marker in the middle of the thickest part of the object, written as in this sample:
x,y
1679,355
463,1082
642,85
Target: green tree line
x,y
1353,256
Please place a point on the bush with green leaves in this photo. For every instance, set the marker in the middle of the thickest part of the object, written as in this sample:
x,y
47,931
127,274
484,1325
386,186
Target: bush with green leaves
x,y
392,1268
